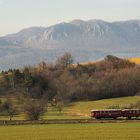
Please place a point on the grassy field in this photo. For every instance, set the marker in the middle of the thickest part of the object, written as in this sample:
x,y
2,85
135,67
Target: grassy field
x,y
85,107
81,110
97,131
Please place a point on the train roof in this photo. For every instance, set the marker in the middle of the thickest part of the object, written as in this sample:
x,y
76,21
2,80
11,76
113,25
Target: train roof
x,y
131,109
106,109
114,110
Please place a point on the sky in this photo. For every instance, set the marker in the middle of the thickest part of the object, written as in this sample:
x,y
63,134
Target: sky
x,y
18,14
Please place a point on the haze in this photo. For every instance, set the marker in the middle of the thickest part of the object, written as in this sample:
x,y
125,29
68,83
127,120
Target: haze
x,y
18,14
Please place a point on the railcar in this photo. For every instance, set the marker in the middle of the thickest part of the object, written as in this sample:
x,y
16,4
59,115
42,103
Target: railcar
x,y
106,113
129,113
115,113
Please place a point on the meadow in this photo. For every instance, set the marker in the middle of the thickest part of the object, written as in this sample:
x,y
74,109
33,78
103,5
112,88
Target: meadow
x,y
97,131
84,108
80,110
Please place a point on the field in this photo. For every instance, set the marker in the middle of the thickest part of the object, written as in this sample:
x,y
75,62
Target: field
x,y
78,110
85,107
81,110
97,131
135,60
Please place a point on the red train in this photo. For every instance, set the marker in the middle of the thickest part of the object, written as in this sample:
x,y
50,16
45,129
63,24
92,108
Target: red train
x,y
115,113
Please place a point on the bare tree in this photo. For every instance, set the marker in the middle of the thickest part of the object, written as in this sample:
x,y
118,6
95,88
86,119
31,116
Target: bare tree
x,y
34,109
65,60
9,109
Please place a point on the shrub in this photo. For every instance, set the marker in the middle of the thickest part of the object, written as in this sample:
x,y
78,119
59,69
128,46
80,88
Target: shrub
x,y
34,110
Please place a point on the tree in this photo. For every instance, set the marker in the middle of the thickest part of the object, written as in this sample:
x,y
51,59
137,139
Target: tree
x,y
11,112
16,78
60,106
65,87
34,109
8,109
42,66
64,61
40,85
6,105
28,80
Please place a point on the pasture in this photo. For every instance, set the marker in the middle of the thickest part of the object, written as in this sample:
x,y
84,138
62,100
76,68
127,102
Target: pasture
x,y
80,110
96,131
83,108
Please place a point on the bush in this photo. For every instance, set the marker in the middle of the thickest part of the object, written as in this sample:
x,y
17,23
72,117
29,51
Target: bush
x,y
34,110
8,109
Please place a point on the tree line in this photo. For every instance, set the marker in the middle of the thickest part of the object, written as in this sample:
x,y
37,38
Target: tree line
x,y
63,81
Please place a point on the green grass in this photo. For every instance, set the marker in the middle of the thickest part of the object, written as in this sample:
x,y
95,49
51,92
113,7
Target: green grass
x,y
79,110
48,116
63,115
85,107
97,131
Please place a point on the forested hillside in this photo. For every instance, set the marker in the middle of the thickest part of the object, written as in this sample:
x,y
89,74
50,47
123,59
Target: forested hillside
x,y
63,81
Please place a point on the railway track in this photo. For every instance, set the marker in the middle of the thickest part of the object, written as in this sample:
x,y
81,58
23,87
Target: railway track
x,y
67,121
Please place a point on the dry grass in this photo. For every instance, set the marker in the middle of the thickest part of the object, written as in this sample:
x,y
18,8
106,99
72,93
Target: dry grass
x,y
135,60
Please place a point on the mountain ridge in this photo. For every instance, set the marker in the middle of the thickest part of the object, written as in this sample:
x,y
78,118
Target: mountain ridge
x,y
85,40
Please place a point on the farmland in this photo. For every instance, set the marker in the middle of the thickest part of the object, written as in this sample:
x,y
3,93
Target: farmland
x,y
100,131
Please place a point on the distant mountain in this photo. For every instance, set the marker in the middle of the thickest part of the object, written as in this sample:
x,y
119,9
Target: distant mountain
x,y
85,40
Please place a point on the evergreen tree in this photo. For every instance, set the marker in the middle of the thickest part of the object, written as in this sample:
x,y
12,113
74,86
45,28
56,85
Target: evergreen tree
x,y
28,79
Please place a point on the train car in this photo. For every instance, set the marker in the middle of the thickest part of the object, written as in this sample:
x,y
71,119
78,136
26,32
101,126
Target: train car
x,y
106,113
129,113
115,113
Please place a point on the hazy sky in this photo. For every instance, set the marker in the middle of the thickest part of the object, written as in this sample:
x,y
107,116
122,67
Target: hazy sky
x,y
19,14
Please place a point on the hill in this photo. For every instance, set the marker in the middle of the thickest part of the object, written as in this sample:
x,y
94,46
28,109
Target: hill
x,y
85,40
135,60
85,107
